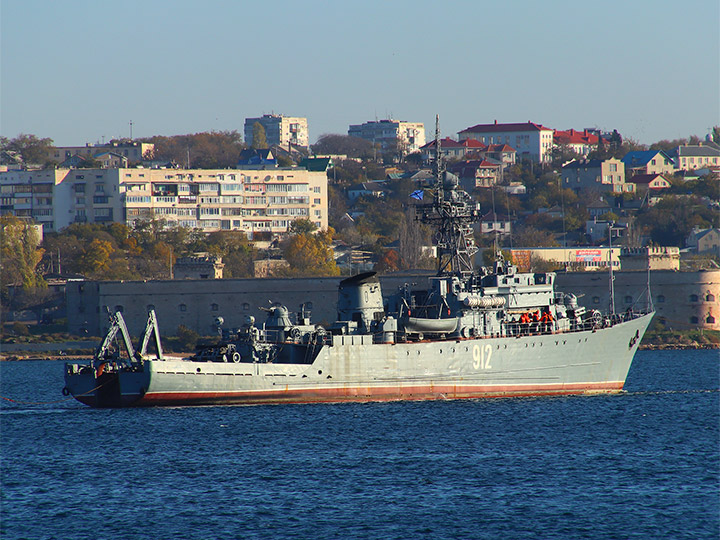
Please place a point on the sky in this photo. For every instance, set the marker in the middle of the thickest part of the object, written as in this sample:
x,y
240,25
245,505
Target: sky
x,y
80,71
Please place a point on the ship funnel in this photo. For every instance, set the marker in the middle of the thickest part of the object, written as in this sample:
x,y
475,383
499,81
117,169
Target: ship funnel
x,y
360,299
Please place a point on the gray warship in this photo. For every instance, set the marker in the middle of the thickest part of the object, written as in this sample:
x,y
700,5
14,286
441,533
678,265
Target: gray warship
x,y
471,333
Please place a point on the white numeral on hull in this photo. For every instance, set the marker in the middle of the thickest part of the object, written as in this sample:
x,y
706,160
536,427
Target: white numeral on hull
x,y
481,356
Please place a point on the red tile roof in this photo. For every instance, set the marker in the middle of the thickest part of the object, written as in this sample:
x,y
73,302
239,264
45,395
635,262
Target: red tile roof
x,y
572,136
496,128
500,148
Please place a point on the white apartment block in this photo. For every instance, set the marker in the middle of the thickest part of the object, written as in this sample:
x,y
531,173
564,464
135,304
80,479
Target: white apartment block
x,y
250,200
407,137
530,141
280,130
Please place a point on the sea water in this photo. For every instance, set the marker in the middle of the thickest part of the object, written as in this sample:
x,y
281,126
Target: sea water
x,y
643,464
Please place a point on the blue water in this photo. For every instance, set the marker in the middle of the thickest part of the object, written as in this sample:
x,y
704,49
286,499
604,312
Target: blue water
x,y
645,464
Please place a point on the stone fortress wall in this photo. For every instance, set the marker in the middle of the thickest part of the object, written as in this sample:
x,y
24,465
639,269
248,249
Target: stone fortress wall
x,y
683,299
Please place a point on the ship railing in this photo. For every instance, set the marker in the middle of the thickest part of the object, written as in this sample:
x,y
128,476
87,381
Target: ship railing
x,y
593,320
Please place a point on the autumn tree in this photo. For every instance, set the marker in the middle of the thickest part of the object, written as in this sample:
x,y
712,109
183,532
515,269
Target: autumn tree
x,y
310,253
352,147
210,150
413,235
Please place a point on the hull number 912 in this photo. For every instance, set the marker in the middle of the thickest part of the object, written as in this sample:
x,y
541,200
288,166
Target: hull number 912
x,y
481,356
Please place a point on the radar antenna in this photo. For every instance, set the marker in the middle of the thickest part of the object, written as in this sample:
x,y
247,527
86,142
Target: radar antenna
x,y
452,213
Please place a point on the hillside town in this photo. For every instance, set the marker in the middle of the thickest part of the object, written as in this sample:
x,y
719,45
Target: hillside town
x,y
268,204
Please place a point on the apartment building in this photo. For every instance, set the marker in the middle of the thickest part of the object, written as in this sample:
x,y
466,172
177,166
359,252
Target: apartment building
x,y
391,135
530,141
251,200
596,175
133,151
280,130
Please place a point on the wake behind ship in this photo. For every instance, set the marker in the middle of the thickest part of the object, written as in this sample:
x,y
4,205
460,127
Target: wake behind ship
x,y
472,333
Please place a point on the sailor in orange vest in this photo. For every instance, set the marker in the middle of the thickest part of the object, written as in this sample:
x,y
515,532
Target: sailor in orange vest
x,y
547,320
524,322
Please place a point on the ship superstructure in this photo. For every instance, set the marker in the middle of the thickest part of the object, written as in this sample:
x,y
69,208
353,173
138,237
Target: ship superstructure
x,y
471,333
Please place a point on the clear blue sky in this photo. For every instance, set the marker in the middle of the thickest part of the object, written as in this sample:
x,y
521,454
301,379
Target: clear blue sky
x,y
78,71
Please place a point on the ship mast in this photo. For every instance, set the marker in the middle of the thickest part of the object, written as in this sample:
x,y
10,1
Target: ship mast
x,y
452,214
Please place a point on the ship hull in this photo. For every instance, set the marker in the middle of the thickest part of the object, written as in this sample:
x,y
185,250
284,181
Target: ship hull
x,y
353,369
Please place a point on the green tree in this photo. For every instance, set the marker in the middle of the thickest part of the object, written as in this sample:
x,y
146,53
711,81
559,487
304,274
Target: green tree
x,y
259,137
302,226
20,253
31,148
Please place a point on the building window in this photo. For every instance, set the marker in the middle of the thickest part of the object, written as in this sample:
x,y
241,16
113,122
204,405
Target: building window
x,y
246,306
628,299
693,297
661,299
710,319
183,307
119,308
596,299
214,307
710,297
150,307
693,320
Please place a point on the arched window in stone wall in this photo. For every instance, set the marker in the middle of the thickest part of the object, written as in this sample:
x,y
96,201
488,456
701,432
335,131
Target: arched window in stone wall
x,y
693,297
710,297
710,319
693,320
